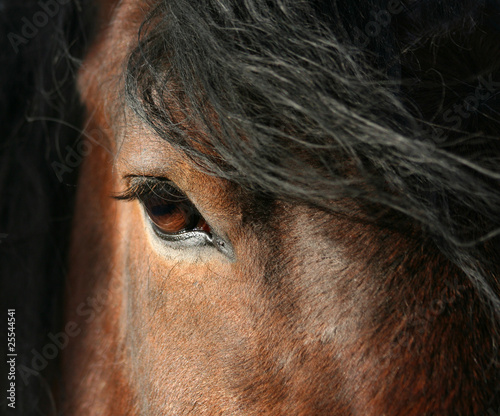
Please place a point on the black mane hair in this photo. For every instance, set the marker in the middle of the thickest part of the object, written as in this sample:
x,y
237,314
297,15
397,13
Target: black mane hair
x,y
40,116
393,103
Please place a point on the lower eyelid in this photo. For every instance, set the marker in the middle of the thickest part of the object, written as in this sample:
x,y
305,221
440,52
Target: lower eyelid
x,y
196,239
183,240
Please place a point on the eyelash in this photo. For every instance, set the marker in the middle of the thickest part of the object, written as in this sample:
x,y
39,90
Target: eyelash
x,y
142,187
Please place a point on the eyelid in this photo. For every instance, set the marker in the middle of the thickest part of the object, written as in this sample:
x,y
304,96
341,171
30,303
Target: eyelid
x,y
143,187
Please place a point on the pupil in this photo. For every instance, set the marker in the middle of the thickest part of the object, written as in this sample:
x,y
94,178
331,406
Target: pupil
x,y
175,217
161,210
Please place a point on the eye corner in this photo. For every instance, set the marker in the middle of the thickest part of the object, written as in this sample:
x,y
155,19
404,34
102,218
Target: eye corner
x,y
223,247
127,195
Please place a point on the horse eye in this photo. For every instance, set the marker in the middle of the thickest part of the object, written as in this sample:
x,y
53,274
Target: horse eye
x,y
174,217
170,211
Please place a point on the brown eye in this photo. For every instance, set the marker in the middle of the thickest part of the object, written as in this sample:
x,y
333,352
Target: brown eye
x,y
174,217
168,208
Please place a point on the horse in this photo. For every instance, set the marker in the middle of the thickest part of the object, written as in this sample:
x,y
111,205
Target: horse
x,y
258,207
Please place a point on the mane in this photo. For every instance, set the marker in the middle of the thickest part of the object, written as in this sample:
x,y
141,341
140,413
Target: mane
x,y
40,120
394,104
